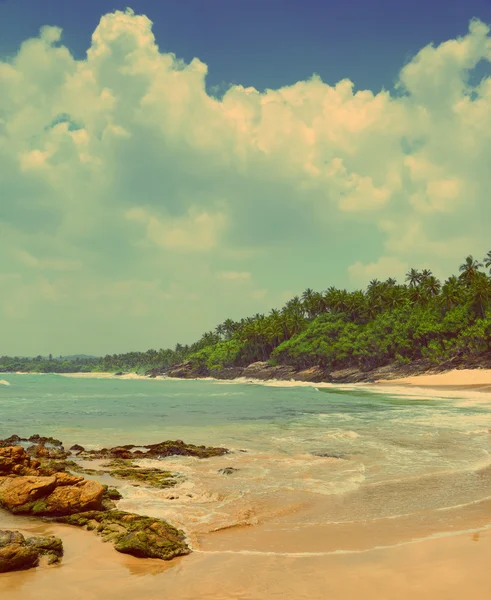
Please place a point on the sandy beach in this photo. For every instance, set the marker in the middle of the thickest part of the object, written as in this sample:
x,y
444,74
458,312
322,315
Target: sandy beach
x,y
442,568
457,379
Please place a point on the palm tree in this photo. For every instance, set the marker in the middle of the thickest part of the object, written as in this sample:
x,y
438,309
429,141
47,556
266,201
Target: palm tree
x,y
413,277
480,294
307,299
469,269
431,284
451,294
487,261
426,274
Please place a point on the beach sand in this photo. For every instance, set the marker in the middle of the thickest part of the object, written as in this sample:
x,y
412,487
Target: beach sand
x,y
457,379
443,568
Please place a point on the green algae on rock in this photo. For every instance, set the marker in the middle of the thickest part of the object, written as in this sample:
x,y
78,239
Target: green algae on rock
x,y
143,537
20,553
153,477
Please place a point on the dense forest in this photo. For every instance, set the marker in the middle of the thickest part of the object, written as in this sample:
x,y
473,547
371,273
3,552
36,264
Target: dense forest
x,y
386,323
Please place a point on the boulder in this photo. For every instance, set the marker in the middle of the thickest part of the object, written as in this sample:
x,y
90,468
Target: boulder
x,y
77,448
26,488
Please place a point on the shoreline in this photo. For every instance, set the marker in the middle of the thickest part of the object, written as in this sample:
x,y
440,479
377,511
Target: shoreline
x,y
452,380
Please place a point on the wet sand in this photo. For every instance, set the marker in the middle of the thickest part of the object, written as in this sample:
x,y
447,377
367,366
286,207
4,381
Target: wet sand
x,y
444,568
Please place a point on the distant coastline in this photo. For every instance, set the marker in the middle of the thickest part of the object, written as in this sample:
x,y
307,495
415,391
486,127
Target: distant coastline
x,y
451,379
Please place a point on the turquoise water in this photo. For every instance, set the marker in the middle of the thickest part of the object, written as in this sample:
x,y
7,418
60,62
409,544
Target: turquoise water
x,y
297,439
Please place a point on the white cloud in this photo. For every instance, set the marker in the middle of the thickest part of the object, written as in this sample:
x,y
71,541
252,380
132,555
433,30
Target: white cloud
x,y
121,166
196,231
385,267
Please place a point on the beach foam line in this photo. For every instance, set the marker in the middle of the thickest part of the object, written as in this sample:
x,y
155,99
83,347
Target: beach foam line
x,y
433,536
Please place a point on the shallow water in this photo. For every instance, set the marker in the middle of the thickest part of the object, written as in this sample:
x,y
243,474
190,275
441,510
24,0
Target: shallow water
x,y
321,470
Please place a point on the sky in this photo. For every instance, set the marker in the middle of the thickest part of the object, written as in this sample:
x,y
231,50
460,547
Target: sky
x,y
170,165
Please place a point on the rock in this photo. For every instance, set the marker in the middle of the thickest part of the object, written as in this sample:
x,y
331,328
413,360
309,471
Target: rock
x,y
25,489
143,537
15,554
264,371
20,494
227,373
69,499
180,448
160,450
187,370
314,374
47,545
328,455
228,470
13,440
77,449
121,453
41,451
18,553
156,372
37,445
45,441
148,476
112,493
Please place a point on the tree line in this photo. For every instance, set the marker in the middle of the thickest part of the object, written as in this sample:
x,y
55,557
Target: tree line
x,y
388,321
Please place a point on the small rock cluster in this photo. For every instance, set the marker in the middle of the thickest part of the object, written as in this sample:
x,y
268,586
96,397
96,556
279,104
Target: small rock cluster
x,y
18,553
35,479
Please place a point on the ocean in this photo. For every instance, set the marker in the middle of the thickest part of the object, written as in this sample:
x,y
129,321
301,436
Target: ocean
x,y
318,470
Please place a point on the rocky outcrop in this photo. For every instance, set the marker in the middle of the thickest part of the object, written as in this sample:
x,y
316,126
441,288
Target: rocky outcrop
x,y
37,446
18,553
160,450
227,373
263,371
144,537
187,370
27,488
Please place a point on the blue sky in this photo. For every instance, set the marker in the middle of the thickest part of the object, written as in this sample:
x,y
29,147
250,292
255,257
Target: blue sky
x,y
265,43
168,167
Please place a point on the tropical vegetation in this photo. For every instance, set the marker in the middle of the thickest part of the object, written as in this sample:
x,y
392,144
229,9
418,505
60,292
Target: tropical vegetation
x,y
385,323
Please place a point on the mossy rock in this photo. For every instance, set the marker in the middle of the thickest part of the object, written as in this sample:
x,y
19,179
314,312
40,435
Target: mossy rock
x,y
18,553
112,493
143,537
152,477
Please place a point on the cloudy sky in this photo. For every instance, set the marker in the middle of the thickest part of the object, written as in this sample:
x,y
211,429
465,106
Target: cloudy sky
x,y
167,167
